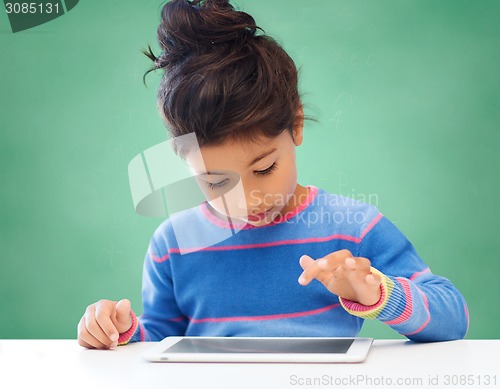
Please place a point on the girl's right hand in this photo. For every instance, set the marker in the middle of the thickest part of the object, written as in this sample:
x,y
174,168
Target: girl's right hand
x,y
103,323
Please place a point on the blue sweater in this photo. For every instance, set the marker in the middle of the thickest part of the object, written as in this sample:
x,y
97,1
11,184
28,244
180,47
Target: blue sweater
x,y
246,284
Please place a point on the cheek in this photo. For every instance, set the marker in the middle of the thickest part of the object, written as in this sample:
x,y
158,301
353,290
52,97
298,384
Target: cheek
x,y
218,205
230,202
286,181
280,187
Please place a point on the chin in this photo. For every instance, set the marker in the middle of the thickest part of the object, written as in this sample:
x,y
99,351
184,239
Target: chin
x,y
265,221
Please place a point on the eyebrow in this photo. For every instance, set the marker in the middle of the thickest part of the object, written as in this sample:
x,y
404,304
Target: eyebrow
x,y
254,161
262,156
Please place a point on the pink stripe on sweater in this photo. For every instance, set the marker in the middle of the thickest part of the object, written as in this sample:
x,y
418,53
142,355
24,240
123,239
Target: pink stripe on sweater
x,y
219,222
418,274
371,225
269,244
159,259
312,194
426,303
177,319
354,306
421,327
265,317
282,242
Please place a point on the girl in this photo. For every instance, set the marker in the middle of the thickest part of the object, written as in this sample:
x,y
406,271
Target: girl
x,y
236,90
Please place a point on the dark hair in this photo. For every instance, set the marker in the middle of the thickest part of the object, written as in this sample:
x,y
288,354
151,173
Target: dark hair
x,y
222,80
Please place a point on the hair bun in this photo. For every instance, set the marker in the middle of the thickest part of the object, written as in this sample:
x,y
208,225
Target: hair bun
x,y
198,26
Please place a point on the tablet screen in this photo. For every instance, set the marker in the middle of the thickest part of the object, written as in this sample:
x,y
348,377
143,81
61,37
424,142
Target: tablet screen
x,y
261,346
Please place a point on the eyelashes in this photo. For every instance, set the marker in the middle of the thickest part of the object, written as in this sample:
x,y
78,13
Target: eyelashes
x,y
220,184
266,171
216,185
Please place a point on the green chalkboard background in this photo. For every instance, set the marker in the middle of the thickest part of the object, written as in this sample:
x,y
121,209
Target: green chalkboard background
x,y
407,95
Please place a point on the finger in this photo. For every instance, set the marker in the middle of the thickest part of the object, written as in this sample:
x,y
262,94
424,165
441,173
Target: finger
x,y
350,264
309,273
358,263
322,268
372,292
334,277
80,334
85,339
373,279
351,270
357,271
333,260
84,344
122,319
122,309
103,313
95,329
305,261
315,271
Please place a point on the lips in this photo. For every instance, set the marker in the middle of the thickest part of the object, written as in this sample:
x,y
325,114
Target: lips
x,y
258,217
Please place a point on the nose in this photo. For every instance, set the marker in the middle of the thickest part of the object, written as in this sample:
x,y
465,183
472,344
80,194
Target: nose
x,y
249,201
249,197
254,199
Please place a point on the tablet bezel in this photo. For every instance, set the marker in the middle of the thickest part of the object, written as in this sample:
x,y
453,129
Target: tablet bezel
x,y
357,352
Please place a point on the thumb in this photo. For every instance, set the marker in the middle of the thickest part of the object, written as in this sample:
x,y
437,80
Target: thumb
x,y
122,318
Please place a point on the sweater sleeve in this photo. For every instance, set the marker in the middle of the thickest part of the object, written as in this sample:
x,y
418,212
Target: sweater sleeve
x,y
161,317
416,303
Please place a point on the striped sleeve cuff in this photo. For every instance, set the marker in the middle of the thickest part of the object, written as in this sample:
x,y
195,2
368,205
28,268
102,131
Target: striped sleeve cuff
x,y
126,336
371,311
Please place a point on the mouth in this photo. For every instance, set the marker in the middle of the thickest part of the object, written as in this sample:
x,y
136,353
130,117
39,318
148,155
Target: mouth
x,y
258,217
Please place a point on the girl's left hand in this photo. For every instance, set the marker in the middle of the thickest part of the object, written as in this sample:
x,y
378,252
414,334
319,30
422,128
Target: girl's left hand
x,y
344,275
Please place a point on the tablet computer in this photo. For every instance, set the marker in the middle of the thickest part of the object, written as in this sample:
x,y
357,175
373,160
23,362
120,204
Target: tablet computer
x,y
259,349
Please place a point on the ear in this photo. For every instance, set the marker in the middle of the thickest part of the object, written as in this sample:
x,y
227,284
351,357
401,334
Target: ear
x,y
298,130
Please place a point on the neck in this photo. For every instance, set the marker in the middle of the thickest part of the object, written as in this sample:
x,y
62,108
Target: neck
x,y
298,197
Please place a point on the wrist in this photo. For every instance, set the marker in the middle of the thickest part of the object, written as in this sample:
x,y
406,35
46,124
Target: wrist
x,y
370,311
372,299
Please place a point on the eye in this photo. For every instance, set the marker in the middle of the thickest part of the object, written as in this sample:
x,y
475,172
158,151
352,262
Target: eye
x,y
266,171
217,185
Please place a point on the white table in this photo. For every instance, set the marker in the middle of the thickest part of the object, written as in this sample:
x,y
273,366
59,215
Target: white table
x,y
44,364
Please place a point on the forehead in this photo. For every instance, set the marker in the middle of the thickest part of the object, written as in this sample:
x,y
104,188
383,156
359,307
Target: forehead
x,y
235,153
